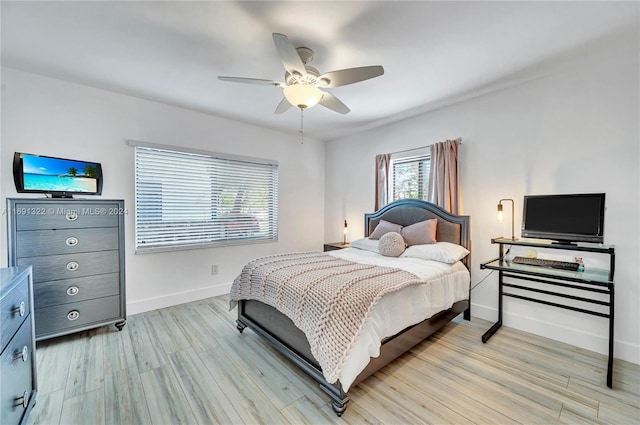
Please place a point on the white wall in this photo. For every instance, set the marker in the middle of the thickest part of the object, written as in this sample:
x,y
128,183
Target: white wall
x,y
55,118
574,130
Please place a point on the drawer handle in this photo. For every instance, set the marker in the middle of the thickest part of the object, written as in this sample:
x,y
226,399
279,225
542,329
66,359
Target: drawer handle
x,y
71,241
22,401
71,215
72,291
22,354
73,315
20,309
72,266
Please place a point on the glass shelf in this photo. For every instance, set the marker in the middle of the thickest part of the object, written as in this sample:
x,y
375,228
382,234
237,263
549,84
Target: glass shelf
x,y
545,243
598,277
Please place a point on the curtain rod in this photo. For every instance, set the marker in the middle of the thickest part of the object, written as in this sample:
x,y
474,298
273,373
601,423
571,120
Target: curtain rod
x,y
415,149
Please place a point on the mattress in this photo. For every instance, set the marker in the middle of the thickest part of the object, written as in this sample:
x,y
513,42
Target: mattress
x,y
444,285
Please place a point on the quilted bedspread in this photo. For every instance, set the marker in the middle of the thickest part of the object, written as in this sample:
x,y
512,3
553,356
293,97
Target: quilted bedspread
x,y
328,298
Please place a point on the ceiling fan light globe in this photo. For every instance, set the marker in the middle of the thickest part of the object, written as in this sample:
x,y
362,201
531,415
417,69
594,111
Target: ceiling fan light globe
x,y
302,95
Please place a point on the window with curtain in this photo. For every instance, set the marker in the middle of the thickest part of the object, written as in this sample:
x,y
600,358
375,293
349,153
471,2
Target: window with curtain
x,y
193,199
410,175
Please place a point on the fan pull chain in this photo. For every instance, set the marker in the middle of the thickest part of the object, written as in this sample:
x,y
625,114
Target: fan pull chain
x,y
301,126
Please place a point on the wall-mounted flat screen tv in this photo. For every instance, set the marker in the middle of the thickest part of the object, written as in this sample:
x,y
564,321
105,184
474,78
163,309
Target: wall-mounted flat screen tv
x,y
564,218
59,177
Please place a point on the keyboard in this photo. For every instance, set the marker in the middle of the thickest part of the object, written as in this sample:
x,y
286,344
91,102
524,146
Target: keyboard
x,y
563,265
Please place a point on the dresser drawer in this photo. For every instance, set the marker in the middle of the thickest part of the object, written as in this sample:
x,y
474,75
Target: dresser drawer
x,y
17,376
65,215
33,243
56,292
14,309
62,317
67,266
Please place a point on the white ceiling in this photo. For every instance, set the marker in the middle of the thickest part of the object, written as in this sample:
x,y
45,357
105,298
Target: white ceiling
x,y
433,53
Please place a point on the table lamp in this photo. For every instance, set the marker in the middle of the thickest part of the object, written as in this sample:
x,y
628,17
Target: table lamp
x,y
344,239
501,217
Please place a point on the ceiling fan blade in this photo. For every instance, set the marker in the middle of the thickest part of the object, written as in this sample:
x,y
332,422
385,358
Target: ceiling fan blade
x,y
350,76
330,101
288,54
252,81
283,106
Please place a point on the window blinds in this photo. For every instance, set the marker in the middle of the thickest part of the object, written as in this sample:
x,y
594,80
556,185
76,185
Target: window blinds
x,y
411,177
189,200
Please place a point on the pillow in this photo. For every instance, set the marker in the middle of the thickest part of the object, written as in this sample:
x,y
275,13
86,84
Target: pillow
x,y
445,252
391,244
384,227
365,243
421,233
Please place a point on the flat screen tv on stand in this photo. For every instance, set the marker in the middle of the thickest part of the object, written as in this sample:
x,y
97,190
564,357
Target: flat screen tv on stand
x,y
565,219
57,177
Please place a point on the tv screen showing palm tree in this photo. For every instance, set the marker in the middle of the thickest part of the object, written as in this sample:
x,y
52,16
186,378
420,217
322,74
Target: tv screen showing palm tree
x,y
48,174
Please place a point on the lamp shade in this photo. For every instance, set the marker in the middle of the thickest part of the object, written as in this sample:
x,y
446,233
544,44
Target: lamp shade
x,y
302,95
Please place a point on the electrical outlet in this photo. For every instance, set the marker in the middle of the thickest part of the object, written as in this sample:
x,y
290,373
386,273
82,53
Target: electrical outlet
x,y
214,269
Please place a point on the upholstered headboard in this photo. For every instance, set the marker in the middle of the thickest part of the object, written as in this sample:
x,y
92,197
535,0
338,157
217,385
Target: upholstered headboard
x,y
451,228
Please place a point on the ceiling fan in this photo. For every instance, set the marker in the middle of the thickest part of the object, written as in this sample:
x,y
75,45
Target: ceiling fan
x,y
303,83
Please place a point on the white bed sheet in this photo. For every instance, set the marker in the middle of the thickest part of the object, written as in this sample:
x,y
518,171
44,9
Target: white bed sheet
x,y
444,285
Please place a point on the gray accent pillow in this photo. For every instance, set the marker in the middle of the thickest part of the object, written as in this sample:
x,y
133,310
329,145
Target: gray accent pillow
x,y
421,233
391,244
384,227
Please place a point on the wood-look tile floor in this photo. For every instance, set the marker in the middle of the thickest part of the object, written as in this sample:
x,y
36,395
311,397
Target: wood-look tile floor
x,y
188,364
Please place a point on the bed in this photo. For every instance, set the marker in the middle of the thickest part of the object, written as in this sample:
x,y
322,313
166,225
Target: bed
x,y
260,315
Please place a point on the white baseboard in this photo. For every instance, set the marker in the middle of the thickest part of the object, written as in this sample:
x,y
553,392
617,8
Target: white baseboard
x,y
135,307
597,343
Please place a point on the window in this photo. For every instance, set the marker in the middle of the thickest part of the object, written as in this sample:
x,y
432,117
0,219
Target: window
x,y
410,175
193,199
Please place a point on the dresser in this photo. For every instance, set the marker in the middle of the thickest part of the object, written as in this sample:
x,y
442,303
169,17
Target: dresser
x,y
76,249
17,362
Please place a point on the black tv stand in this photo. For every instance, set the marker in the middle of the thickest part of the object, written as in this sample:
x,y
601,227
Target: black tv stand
x,y
565,243
596,286
61,195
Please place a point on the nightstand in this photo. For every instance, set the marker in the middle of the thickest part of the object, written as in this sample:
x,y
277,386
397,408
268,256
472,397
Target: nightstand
x,y
335,246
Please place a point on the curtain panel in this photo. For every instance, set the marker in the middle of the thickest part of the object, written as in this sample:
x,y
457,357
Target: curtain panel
x,y
444,178
382,180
